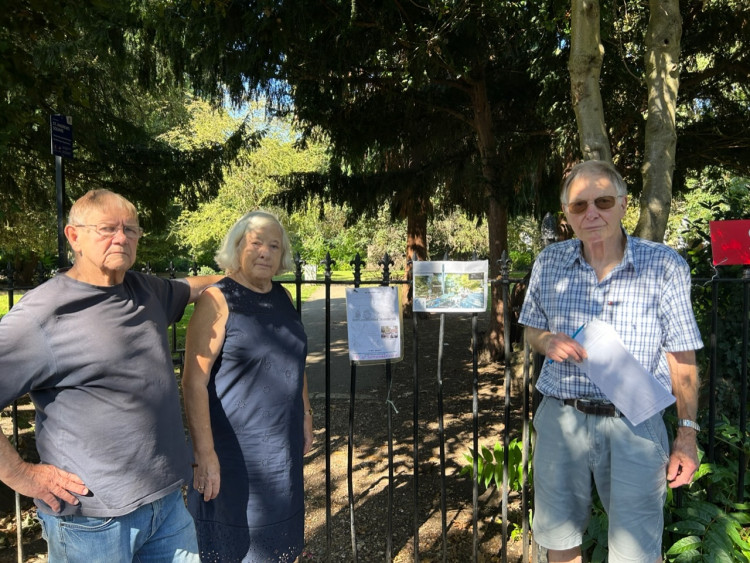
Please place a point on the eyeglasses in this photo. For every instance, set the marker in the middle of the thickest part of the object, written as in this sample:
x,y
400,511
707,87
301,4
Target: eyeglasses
x,y
107,230
603,202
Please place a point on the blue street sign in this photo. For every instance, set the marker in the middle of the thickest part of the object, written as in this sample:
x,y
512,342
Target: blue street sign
x,y
61,132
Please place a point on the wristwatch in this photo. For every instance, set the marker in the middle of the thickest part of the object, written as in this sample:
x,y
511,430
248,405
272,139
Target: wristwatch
x,y
689,424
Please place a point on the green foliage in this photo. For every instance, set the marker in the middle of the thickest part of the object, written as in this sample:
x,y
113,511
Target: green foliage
x,y
712,531
521,260
248,183
490,465
707,531
715,196
595,539
92,61
322,229
711,534
715,529
456,234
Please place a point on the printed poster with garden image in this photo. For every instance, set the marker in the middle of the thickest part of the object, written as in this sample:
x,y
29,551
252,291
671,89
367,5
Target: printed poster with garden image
x,y
450,287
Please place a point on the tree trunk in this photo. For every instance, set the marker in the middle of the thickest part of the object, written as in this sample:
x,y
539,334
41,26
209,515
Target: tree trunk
x,y
416,245
662,78
584,65
497,220
497,214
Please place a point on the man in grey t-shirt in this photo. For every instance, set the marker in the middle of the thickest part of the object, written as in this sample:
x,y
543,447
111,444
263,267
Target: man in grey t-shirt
x,y
90,347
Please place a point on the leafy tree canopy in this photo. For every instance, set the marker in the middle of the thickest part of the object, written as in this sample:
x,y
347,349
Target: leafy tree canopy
x,y
92,61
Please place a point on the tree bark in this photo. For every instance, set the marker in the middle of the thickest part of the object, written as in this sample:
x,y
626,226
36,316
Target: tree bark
x,y
416,245
662,78
584,66
497,220
497,214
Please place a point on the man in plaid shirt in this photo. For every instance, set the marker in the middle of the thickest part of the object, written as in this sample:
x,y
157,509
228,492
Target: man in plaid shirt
x,y
642,290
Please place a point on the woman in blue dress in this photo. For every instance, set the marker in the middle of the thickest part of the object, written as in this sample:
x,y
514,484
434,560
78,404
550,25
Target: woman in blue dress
x,y
247,404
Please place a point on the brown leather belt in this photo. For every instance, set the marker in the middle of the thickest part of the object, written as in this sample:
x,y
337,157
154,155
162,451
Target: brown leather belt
x,y
597,408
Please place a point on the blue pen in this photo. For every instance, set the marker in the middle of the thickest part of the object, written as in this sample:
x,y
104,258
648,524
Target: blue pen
x,y
579,329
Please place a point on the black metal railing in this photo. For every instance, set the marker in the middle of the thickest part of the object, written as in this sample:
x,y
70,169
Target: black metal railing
x,y
709,298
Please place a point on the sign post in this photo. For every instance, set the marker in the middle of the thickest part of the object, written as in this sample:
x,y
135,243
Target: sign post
x,y
61,139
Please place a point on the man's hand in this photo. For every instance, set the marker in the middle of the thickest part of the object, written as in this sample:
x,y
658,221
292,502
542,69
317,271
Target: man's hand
x,y
48,483
683,461
561,347
556,347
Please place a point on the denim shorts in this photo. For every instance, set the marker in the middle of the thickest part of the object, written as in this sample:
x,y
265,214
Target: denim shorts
x,y
627,464
158,532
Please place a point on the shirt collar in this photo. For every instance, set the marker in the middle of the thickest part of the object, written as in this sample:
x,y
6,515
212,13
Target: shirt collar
x,y
574,254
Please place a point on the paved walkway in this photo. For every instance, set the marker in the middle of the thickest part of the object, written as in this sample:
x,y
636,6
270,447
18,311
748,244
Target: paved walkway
x,y
370,380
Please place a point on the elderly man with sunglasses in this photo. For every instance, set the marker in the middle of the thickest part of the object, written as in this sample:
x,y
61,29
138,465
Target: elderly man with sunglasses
x,y
642,290
90,347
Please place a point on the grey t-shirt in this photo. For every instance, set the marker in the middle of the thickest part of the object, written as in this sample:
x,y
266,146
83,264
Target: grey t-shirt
x,y
96,363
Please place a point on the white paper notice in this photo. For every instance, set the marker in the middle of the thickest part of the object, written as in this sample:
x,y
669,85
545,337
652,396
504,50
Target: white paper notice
x,y
373,318
634,391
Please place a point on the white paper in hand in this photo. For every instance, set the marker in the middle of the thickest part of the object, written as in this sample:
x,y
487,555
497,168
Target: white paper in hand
x,y
624,381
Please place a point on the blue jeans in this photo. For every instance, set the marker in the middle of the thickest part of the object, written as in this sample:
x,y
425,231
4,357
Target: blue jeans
x,y
158,532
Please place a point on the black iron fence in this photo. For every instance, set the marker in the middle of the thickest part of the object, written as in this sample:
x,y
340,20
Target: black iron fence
x,y
721,303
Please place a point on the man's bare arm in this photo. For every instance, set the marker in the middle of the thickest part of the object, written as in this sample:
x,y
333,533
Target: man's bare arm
x,y
683,460
199,283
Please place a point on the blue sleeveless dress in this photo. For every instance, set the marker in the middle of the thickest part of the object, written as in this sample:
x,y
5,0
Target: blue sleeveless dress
x,y
255,401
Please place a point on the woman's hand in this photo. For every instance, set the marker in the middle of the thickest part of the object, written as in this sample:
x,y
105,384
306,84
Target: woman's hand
x,y
207,475
308,430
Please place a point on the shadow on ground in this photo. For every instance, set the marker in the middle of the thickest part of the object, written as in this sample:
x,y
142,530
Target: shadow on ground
x,y
384,499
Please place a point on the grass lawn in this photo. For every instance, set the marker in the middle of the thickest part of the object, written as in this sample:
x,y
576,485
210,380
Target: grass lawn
x,y
4,300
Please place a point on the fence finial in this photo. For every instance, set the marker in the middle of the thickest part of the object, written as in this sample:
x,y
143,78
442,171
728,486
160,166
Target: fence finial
x,y
386,262
357,264
328,263
505,264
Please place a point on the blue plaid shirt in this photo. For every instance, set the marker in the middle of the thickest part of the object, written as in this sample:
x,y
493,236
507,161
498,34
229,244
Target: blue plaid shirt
x,y
646,298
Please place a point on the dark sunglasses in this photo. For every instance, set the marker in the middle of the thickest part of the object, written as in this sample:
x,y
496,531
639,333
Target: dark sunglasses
x,y
604,202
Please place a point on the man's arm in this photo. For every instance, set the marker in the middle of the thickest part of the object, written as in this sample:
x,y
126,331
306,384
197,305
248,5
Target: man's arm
x,y
683,460
199,283
554,345
45,482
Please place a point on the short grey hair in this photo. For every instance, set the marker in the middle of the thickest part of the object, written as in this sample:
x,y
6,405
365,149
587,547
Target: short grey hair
x,y
99,200
228,256
597,169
